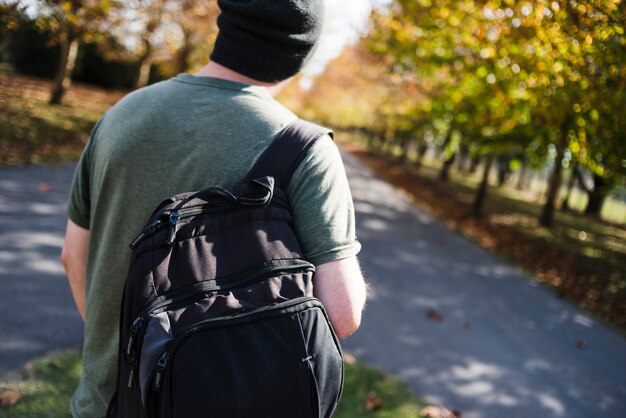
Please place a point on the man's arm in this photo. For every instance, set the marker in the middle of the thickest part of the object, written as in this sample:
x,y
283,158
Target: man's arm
x,y
340,286
74,258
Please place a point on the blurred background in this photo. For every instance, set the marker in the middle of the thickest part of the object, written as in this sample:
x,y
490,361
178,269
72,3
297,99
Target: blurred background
x,y
504,119
524,96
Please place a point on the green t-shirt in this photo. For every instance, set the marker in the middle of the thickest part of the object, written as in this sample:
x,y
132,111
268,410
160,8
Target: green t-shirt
x,y
182,135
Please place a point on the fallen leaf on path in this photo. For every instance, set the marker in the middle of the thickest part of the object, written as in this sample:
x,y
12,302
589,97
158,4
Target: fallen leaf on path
x,y
439,412
465,324
44,187
9,398
581,344
348,358
434,315
373,401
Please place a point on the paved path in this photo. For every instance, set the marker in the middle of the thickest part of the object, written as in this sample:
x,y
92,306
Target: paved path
x,y
37,314
504,348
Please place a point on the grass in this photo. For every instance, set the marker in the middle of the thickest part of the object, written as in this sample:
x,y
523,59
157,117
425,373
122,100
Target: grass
x,y
366,387
47,385
33,131
581,258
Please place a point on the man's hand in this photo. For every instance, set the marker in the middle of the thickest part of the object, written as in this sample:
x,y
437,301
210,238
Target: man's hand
x,y
74,258
341,288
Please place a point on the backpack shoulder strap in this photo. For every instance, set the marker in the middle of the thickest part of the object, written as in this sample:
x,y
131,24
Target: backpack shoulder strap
x,y
281,159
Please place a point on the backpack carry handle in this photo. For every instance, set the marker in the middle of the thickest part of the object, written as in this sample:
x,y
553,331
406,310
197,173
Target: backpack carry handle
x,y
257,192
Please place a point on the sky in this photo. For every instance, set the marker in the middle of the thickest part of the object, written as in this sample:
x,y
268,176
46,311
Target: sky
x,y
345,20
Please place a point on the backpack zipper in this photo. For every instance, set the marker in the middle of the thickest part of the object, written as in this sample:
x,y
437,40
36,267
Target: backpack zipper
x,y
265,311
172,221
171,218
146,232
271,268
160,368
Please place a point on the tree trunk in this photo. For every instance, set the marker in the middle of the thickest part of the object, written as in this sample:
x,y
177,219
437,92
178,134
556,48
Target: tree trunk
x,y
63,78
474,164
462,158
379,143
546,219
182,59
445,143
371,141
145,64
503,171
570,187
421,151
444,174
405,148
521,180
596,197
387,145
481,193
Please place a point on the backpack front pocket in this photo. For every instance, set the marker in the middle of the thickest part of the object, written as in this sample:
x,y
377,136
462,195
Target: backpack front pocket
x,y
265,362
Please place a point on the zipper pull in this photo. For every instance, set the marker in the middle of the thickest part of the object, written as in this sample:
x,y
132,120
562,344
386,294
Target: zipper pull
x,y
147,231
131,376
137,323
173,219
160,371
130,349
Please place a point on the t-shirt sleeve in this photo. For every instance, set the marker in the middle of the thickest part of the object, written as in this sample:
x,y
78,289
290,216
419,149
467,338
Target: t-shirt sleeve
x,y
79,205
322,207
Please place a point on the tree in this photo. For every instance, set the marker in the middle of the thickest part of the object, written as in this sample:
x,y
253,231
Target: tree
x,y
9,16
178,35
71,21
9,21
536,76
148,15
457,47
590,71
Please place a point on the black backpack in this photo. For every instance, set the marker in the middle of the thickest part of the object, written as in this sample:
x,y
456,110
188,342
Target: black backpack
x,y
218,315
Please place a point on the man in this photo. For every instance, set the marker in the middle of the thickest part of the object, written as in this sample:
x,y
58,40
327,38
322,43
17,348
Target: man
x,y
189,132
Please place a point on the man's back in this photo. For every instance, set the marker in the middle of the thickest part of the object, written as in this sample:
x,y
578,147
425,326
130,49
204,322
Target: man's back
x,y
183,135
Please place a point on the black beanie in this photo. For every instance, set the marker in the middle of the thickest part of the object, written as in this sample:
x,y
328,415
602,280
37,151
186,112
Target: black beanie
x,y
267,40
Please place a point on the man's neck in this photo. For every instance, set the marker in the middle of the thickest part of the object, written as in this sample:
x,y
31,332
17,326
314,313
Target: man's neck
x,y
213,69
